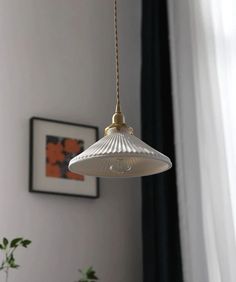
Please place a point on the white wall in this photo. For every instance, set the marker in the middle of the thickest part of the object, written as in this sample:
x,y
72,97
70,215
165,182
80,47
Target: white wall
x,y
56,61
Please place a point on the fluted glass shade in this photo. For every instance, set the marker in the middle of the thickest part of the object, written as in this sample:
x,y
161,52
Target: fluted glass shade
x,y
120,154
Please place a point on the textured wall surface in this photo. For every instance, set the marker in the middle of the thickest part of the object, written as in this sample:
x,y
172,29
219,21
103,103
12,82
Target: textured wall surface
x,y
56,61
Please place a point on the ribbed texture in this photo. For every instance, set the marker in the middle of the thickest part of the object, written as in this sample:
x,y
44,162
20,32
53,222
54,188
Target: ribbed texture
x,y
118,143
98,159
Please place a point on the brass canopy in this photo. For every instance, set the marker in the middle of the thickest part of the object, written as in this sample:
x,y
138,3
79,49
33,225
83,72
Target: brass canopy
x,y
118,124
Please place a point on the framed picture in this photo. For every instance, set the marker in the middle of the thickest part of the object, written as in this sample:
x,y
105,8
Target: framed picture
x,y
52,145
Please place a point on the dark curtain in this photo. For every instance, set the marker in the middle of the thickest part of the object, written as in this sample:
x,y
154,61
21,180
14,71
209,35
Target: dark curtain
x,y
161,239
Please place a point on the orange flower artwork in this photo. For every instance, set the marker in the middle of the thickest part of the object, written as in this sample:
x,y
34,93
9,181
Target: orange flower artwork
x,y
59,151
53,170
71,146
75,176
55,153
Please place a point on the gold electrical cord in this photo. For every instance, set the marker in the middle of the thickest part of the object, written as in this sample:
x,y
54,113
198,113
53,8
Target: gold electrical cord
x,y
118,109
118,119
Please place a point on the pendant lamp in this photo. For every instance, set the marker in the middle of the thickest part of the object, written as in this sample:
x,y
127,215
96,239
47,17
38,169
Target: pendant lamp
x,y
119,153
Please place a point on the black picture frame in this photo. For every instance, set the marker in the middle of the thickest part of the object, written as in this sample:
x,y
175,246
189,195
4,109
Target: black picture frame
x,y
36,159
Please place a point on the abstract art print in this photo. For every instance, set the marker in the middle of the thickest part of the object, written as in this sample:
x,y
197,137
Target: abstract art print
x,y
59,151
52,145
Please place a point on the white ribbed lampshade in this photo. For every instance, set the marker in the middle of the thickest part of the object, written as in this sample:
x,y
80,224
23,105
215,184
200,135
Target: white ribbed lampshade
x,y
120,154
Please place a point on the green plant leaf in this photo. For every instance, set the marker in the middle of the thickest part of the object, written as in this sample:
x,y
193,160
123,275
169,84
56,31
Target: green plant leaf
x,y
25,243
10,259
91,274
1,247
88,275
5,242
14,266
15,241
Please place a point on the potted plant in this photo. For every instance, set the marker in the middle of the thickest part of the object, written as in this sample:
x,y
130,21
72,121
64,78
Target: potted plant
x,y
8,249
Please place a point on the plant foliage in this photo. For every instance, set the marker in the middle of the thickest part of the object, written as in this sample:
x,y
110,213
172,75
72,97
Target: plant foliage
x,y
88,275
8,249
